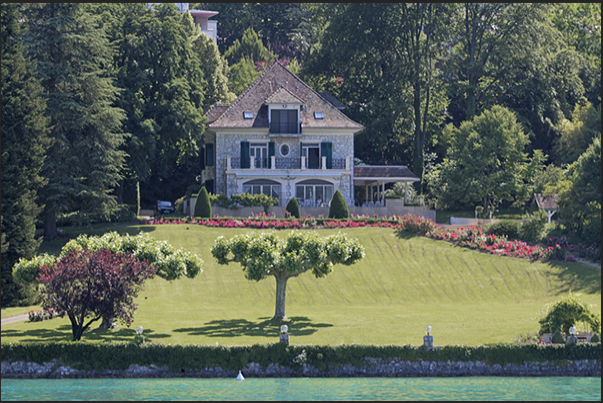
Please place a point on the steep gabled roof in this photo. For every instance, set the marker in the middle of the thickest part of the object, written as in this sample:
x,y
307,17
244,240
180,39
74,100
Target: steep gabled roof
x,y
275,78
215,112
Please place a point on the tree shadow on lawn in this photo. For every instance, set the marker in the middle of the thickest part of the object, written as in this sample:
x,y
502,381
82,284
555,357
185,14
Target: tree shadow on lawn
x,y
406,235
63,333
298,326
576,277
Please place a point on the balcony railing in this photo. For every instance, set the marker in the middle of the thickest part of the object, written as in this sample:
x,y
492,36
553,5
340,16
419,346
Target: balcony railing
x,y
288,163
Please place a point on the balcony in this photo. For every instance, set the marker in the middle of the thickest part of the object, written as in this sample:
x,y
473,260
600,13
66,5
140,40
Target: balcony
x,y
301,163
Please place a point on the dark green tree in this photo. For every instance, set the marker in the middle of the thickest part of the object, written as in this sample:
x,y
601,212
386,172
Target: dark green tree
x,y
84,163
251,47
160,70
483,162
293,208
338,207
580,205
215,71
203,205
24,133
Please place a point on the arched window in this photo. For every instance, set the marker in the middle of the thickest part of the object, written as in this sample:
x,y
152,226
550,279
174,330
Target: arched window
x,y
266,186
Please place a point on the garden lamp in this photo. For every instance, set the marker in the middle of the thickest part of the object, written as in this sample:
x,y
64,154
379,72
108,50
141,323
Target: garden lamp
x,y
284,338
428,330
572,330
428,340
139,330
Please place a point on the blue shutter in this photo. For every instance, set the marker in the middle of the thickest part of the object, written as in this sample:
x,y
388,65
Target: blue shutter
x,y
245,154
209,155
326,150
201,159
270,153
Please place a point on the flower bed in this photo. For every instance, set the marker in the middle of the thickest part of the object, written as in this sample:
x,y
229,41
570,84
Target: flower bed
x,y
38,316
471,237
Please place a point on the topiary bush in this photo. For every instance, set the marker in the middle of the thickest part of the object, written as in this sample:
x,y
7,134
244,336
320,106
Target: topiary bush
x,y
339,208
203,206
557,338
293,208
507,228
563,314
596,338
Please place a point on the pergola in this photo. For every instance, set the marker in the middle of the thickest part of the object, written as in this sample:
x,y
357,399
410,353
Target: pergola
x,y
375,175
547,203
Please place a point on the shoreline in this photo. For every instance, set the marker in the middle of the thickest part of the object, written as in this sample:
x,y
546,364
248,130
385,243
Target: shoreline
x,y
374,368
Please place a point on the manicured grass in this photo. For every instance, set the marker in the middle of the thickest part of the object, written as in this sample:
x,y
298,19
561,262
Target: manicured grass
x,y
19,310
403,284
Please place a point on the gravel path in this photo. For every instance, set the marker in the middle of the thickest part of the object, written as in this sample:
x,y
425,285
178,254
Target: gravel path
x,y
14,319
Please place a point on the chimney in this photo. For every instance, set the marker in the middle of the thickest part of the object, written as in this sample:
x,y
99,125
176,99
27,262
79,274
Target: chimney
x,y
270,82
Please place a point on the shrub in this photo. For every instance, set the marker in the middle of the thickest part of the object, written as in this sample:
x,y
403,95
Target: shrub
x,y
533,226
507,228
293,208
557,338
565,313
179,205
203,206
339,208
596,338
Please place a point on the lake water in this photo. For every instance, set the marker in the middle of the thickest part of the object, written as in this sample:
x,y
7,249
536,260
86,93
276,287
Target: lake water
x,y
463,388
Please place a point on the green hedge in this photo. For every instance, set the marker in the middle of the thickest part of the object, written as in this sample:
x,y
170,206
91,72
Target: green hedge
x,y
80,355
203,206
339,208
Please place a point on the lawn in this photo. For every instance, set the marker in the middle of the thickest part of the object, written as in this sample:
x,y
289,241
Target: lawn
x,y
403,284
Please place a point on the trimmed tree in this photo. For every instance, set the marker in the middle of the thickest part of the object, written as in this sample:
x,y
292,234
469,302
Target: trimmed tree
x,y
263,254
565,313
203,205
293,208
170,263
88,286
339,208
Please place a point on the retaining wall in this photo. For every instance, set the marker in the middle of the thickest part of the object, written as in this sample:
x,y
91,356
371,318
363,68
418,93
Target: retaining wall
x,y
373,368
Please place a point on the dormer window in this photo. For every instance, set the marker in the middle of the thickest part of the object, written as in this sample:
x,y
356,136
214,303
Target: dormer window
x,y
284,121
318,115
248,115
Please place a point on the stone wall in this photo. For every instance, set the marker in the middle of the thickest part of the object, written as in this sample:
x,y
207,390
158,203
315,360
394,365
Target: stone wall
x,y
279,211
371,368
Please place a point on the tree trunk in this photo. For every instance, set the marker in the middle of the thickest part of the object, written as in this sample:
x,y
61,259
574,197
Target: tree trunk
x,y
50,222
119,192
107,323
281,286
76,328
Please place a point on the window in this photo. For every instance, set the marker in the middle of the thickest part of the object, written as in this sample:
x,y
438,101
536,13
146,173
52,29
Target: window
x,y
312,154
318,115
265,186
312,192
259,152
284,121
248,115
209,155
285,150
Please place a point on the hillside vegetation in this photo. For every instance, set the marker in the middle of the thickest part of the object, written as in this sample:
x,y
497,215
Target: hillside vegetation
x,y
403,284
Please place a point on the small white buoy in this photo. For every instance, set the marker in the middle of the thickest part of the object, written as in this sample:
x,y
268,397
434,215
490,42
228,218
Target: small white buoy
x,y
240,377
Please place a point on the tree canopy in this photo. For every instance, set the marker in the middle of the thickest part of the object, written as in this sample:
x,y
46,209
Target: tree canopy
x,y
264,254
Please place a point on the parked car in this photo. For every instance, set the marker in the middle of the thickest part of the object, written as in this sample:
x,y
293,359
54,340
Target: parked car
x,y
165,207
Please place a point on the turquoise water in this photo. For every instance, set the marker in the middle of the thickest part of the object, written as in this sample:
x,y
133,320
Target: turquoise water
x,y
464,388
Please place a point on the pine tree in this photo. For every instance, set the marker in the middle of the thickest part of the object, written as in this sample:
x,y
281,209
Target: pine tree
x,y
84,163
203,205
24,133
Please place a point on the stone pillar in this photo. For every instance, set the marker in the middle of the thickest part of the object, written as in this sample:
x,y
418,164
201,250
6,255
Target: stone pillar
x,y
284,339
428,342
383,193
303,163
347,163
366,193
228,164
324,162
251,162
273,162
405,193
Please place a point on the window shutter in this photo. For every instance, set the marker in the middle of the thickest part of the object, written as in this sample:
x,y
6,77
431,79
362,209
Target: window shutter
x,y
202,159
326,150
245,154
275,122
270,153
209,155
292,121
